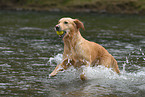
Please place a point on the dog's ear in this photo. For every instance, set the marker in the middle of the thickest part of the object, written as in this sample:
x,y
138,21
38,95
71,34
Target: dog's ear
x,y
79,24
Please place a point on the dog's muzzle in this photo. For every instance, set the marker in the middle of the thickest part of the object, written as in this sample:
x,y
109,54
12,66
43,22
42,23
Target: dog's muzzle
x,y
57,28
59,32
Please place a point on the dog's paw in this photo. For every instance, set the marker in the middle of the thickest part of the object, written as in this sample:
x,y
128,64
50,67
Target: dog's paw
x,y
51,75
83,77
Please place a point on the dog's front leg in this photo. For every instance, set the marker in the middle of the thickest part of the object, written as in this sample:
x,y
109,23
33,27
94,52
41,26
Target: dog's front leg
x,y
64,65
56,70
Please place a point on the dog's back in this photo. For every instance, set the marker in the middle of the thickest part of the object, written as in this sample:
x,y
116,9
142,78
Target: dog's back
x,y
97,55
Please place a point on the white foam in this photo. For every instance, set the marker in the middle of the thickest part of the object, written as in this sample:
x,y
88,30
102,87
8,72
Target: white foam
x,y
98,72
101,75
56,59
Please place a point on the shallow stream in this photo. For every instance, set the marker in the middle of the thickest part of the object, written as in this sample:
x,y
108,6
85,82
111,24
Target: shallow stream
x,y
30,50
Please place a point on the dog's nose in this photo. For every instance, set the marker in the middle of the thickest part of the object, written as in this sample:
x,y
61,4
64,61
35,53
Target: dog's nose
x,y
57,27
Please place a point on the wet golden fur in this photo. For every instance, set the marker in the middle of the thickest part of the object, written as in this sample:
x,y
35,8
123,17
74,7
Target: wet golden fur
x,y
79,51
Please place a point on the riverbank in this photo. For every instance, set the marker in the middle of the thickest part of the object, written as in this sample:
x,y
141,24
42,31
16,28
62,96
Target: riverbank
x,y
98,6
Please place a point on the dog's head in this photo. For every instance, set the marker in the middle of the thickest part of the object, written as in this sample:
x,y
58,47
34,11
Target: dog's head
x,y
68,26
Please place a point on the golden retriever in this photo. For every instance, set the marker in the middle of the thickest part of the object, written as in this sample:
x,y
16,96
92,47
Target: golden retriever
x,y
79,51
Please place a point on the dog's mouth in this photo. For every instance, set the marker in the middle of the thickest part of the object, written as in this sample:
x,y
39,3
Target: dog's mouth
x,y
61,33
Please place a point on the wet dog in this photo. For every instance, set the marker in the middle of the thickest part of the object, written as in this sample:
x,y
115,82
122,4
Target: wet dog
x,y
79,51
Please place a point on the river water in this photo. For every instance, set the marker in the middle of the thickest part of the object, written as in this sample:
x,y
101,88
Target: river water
x,y
30,50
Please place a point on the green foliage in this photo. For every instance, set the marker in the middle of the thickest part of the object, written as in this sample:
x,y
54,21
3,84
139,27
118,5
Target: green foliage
x,y
111,6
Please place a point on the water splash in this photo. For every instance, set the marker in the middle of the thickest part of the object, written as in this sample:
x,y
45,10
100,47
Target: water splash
x,y
56,59
126,82
95,72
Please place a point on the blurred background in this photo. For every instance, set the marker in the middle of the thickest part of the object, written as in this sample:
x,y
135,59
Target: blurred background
x,y
100,6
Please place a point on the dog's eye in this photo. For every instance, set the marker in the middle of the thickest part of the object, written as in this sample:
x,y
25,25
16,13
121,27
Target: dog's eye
x,y
65,22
